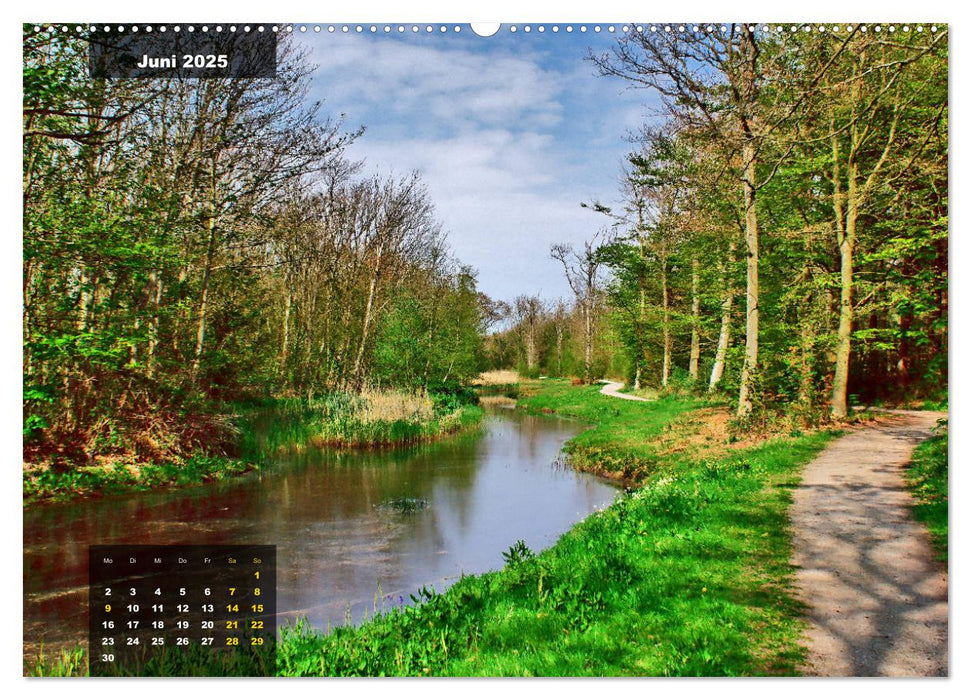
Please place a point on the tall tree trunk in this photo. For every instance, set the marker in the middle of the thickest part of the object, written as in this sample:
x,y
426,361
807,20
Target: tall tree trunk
x,y
695,322
356,372
285,342
642,300
665,323
846,237
530,347
204,298
724,333
206,276
155,282
641,358
588,341
845,207
84,300
750,365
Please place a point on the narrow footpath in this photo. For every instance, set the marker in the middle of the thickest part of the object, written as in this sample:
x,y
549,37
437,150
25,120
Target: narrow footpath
x,y
613,389
876,597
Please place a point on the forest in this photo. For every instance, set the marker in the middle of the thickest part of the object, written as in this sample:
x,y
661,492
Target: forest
x,y
781,243
782,240
193,243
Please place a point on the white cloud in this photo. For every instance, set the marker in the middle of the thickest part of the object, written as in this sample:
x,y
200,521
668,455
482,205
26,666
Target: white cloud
x,y
448,85
509,144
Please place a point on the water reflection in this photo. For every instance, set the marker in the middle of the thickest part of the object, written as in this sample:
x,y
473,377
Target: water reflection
x,y
338,542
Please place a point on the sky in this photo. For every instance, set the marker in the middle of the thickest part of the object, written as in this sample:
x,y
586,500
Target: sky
x,y
510,133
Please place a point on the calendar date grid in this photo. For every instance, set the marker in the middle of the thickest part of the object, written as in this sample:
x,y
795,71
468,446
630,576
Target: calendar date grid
x,y
165,603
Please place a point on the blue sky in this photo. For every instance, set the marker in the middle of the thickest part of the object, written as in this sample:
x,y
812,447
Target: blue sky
x,y
510,132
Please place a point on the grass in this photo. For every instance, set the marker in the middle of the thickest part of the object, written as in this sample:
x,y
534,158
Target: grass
x,y
164,662
121,477
927,476
372,419
497,377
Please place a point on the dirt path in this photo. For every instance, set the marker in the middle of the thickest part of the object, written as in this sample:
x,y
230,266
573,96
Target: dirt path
x,y
613,389
876,596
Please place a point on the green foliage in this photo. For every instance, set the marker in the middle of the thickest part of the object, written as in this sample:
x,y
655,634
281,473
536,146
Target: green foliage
x,y
517,554
928,478
432,336
177,261
167,662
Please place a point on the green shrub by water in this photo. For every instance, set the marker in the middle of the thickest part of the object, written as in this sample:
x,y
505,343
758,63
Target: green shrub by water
x,y
121,477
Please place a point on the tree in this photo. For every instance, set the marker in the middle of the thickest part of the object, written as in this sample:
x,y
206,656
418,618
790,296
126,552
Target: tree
x,y
581,268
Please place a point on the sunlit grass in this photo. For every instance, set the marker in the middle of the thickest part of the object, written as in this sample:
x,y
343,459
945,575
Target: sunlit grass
x,y
622,440
928,477
370,419
393,406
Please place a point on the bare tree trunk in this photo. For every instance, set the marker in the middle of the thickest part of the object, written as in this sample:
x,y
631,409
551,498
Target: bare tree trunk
x,y
846,238
665,324
155,280
206,276
588,341
204,298
641,321
285,343
366,324
724,333
179,316
750,366
642,298
695,322
84,300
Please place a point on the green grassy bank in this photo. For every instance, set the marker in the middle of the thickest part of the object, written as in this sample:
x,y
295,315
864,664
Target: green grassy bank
x,y
373,419
927,476
622,440
47,484
350,421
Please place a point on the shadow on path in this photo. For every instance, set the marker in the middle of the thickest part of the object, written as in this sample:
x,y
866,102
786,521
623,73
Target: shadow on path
x,y
877,598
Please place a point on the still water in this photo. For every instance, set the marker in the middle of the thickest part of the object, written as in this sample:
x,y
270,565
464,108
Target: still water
x,y
340,539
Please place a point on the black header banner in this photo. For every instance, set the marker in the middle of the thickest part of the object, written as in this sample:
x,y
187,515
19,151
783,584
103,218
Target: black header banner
x,y
210,51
